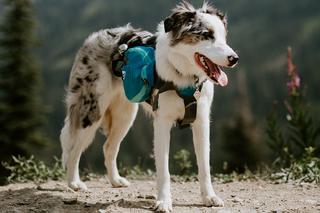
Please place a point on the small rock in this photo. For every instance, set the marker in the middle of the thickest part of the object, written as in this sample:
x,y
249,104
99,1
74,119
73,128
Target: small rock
x,y
140,196
233,195
32,209
318,204
153,197
131,195
40,188
237,200
87,205
102,211
70,201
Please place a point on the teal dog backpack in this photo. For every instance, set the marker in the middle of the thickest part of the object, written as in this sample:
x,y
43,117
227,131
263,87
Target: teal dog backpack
x,y
137,69
138,73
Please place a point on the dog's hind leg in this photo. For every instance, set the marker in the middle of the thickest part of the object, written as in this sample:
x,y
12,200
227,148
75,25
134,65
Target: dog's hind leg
x,y
118,118
73,144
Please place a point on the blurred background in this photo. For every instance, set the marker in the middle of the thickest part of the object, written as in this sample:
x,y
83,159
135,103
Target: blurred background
x,y
259,31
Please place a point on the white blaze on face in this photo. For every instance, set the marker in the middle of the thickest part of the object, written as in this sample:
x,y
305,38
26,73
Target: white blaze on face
x,y
217,51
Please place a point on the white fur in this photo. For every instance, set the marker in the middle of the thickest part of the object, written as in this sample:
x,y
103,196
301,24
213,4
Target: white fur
x,y
117,113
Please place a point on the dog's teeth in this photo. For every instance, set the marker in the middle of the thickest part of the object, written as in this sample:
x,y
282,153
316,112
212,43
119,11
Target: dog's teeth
x,y
203,62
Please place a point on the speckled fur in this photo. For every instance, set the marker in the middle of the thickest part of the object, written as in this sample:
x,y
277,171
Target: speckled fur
x,y
82,96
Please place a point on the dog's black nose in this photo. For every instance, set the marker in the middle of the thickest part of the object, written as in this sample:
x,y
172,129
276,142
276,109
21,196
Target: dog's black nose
x,y
232,60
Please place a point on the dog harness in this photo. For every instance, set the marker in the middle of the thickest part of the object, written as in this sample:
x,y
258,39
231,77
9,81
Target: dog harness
x,y
146,80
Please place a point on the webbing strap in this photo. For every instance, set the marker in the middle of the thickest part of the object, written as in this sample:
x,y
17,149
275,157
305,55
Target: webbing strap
x,y
190,103
190,115
165,87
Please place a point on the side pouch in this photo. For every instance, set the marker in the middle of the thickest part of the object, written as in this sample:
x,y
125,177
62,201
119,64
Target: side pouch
x,y
138,73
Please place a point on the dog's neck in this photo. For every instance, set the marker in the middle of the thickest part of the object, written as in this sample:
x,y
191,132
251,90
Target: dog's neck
x,y
168,72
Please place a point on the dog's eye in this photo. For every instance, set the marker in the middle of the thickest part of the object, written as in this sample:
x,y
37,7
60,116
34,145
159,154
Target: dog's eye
x,y
207,35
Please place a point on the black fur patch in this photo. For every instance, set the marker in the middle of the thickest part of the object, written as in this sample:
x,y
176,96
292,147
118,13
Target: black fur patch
x,y
75,88
80,81
111,34
126,37
85,60
86,122
88,79
86,102
190,29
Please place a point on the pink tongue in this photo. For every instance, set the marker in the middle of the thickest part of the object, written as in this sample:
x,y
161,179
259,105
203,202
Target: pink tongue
x,y
222,78
215,71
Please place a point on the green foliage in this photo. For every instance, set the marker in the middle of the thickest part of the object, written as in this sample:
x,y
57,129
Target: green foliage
x,y
277,144
86,175
304,164
182,158
24,170
136,173
20,106
305,170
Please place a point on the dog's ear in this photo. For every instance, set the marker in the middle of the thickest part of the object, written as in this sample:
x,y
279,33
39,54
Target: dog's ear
x,y
169,23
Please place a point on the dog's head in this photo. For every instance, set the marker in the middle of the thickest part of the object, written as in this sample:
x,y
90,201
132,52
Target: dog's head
x,y
198,42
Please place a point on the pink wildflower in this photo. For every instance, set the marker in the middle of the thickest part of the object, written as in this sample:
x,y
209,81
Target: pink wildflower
x,y
293,80
297,79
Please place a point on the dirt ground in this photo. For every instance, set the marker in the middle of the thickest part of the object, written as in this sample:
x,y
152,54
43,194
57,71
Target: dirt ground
x,y
251,197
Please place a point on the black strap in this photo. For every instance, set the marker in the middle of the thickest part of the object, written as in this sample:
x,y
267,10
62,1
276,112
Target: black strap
x,y
165,87
190,102
190,115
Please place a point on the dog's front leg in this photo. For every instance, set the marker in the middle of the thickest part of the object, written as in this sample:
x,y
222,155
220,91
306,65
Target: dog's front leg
x,y
201,134
161,148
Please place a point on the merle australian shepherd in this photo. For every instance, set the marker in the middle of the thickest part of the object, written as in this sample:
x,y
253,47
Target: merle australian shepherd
x,y
190,44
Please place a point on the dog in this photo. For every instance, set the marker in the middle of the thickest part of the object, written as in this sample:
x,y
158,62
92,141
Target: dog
x,y
190,44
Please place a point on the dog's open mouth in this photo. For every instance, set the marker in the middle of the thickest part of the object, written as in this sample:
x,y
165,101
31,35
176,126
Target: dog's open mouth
x,y
212,70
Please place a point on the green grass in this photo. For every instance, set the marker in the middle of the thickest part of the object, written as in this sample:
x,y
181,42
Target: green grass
x,y
24,170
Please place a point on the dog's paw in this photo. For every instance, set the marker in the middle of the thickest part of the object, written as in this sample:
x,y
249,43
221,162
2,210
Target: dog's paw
x,y
163,206
78,185
119,182
213,201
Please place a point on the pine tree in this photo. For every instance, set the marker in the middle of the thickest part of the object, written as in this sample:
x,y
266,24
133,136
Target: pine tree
x,y
21,111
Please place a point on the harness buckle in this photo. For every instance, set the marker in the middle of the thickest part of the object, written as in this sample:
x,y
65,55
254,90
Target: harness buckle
x,y
122,49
